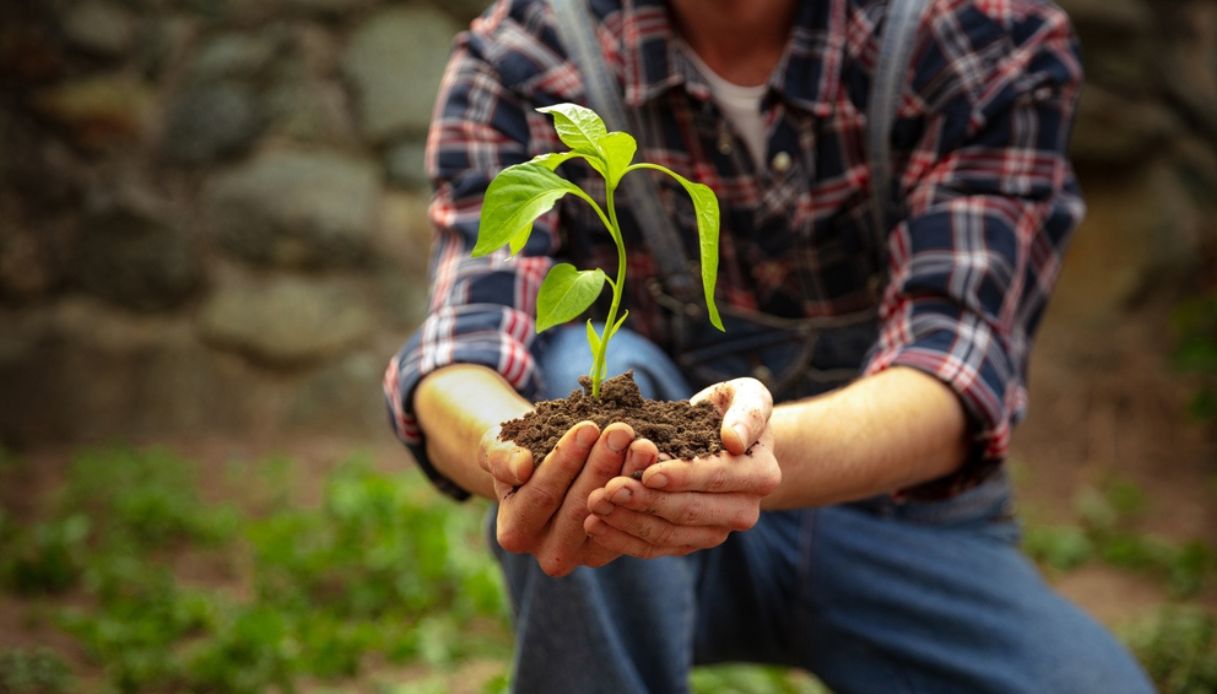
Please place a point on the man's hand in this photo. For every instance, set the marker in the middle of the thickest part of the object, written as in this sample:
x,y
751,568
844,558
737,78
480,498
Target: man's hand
x,y
682,506
542,508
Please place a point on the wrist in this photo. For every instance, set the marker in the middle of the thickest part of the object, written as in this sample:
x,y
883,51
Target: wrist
x,y
883,432
456,405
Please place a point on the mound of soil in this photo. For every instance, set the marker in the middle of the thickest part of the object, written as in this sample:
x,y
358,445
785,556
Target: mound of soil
x,y
677,428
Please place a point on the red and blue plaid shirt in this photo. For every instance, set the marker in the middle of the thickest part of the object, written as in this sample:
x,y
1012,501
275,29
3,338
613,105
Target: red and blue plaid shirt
x,y
980,143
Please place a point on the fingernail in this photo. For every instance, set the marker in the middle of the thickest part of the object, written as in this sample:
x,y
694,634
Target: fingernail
x,y
618,439
587,436
622,496
658,481
602,508
742,434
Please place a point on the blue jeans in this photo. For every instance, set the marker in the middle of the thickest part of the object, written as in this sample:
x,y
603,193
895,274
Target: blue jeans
x,y
871,597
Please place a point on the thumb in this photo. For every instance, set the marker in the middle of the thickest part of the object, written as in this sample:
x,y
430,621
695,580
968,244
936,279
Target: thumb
x,y
746,405
505,461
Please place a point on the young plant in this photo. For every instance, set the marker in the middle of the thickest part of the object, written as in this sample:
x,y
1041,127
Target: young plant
x,y
520,194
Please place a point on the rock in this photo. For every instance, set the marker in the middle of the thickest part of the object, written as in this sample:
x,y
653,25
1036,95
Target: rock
x,y
1113,129
163,44
403,234
306,108
1126,64
135,259
394,61
1189,62
329,7
405,164
1197,164
31,51
1140,228
285,320
466,10
403,250
296,208
306,99
100,111
232,55
213,9
1118,42
340,398
28,267
1125,16
27,271
78,371
404,294
211,121
100,27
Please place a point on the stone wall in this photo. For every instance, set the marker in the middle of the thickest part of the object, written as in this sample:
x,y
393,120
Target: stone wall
x,y
211,215
1146,150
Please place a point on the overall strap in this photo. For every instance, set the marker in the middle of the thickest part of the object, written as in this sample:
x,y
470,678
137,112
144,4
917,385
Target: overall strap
x,y
895,53
577,32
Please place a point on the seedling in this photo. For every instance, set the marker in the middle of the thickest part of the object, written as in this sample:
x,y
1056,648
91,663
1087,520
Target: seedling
x,y
521,193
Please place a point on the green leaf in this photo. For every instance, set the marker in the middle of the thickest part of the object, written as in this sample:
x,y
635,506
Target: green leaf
x,y
565,293
593,340
514,200
552,160
578,126
705,205
617,325
619,149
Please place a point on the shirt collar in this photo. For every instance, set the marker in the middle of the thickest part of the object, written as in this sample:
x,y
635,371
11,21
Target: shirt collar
x,y
808,74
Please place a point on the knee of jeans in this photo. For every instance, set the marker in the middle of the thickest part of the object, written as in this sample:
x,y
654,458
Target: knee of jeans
x,y
568,357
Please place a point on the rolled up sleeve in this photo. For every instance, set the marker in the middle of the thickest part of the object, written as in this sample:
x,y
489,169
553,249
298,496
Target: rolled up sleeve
x,y
989,216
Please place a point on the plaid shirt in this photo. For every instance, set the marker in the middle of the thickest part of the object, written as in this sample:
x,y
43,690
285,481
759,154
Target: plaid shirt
x,y
990,198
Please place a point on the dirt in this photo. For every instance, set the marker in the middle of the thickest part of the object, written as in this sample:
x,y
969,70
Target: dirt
x,y
1105,404
676,428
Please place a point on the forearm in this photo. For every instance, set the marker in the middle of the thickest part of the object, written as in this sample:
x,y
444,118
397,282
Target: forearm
x,y
883,432
455,407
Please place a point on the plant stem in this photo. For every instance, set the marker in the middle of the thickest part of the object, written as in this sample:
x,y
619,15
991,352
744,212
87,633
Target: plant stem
x,y
611,320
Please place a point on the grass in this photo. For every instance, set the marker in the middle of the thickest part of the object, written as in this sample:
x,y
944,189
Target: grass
x,y
379,570
375,583
1178,647
1107,533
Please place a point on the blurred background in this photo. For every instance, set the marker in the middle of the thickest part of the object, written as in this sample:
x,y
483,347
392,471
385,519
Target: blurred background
x,y
212,237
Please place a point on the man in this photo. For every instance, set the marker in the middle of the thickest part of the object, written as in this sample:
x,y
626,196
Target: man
x,y
865,535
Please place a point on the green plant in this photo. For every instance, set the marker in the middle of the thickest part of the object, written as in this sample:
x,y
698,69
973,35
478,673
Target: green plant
x,y
753,679
1107,531
164,590
521,193
36,671
44,558
1178,648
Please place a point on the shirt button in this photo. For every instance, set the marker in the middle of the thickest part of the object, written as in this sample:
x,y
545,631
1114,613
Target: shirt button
x,y
781,162
724,143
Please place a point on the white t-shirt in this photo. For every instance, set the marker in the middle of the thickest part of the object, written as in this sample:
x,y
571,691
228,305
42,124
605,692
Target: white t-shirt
x,y
740,105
